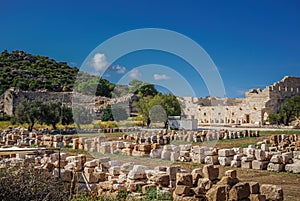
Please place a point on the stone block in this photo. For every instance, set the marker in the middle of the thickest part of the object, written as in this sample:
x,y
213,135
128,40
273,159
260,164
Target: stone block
x,y
260,155
210,172
172,171
174,156
166,155
254,187
155,153
226,180
119,187
90,164
239,191
184,179
217,192
287,158
275,167
211,160
231,173
246,164
257,197
294,168
224,152
126,167
276,159
225,161
91,177
114,170
205,183
183,190
235,163
272,192
260,165
137,172
162,180
264,147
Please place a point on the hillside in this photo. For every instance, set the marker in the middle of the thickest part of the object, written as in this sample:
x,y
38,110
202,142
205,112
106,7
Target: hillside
x,y
34,73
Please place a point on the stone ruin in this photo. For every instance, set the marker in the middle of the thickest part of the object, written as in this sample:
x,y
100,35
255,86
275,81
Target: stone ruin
x,y
106,177
283,154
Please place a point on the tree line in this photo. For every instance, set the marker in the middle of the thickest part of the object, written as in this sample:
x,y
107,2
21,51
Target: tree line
x,y
288,112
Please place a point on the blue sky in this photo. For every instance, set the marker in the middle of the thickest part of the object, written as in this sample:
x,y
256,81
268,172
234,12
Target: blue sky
x,y
252,43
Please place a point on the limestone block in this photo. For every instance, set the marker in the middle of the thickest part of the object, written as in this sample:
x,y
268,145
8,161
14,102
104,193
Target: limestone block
x,y
126,167
246,164
183,190
260,155
162,180
174,156
166,155
239,191
114,170
254,187
287,158
155,153
231,173
211,160
265,147
205,184
91,177
272,192
210,172
185,179
224,152
276,159
172,171
235,163
90,164
137,172
119,187
275,167
225,161
294,168
260,165
217,193
257,197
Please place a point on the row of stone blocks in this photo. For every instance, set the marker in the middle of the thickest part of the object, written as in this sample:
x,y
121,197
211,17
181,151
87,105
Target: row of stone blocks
x,y
109,178
251,157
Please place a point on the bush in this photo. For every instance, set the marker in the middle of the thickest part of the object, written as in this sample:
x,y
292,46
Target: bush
x,y
31,184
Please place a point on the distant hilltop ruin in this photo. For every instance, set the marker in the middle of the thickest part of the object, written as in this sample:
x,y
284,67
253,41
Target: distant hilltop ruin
x,y
254,109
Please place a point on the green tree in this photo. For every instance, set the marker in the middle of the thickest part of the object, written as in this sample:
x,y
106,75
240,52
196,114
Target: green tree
x,y
143,107
29,112
169,103
107,114
66,115
275,118
134,85
51,112
290,109
142,88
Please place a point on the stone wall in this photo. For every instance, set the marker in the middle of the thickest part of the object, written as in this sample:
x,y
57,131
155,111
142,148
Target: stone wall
x,y
253,109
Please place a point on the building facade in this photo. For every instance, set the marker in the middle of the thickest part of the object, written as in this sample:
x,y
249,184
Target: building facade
x,y
254,109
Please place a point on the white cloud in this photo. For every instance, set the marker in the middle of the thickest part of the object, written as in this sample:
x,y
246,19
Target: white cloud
x,y
99,62
135,74
160,77
119,69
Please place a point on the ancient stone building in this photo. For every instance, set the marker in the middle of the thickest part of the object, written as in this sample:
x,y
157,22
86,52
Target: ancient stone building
x,y
253,109
11,98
